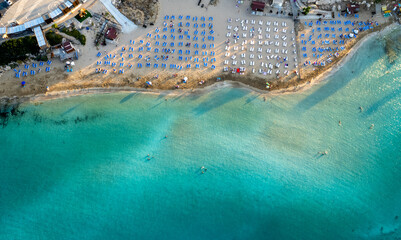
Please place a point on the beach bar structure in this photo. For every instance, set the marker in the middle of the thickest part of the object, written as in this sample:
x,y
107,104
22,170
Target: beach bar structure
x,y
75,2
258,6
47,18
64,8
111,34
352,8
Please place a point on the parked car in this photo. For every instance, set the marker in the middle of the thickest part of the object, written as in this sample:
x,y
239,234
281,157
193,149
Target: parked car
x,y
9,2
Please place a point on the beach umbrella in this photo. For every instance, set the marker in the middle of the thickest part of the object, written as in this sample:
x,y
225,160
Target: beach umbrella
x,y
23,83
185,79
68,63
72,63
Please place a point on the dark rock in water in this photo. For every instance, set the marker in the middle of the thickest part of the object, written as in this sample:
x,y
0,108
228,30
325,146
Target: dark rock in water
x,y
9,108
392,47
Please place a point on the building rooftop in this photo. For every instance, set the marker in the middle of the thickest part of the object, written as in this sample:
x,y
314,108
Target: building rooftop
x,y
111,33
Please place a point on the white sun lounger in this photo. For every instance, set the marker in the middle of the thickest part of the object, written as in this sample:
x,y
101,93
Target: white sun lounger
x,y
267,23
267,29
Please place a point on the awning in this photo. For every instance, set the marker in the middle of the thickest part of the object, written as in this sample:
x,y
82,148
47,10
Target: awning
x,y
55,13
16,29
68,4
39,36
34,22
3,30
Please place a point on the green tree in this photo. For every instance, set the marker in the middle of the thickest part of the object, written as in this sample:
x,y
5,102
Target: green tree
x,y
306,10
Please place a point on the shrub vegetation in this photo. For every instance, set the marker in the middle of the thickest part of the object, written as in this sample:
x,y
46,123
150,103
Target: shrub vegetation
x,y
17,49
53,38
76,34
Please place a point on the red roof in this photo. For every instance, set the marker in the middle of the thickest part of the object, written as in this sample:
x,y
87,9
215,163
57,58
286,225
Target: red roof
x,y
68,47
111,33
257,6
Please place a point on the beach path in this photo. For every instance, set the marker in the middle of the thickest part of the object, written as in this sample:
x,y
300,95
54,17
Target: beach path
x,y
127,25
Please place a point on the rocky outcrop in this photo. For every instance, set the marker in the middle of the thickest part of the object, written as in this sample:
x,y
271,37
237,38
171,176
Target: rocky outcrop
x,y
141,12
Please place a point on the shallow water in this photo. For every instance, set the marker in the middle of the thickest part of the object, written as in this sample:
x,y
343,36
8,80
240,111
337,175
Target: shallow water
x,y
78,168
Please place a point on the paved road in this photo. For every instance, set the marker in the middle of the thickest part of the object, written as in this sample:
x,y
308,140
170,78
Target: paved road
x,y
127,25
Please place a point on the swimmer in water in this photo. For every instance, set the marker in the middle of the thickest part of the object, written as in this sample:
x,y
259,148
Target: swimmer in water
x,y
339,123
372,126
361,108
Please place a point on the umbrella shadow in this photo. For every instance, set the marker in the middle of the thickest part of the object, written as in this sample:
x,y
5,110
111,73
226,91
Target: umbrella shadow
x,y
71,109
128,97
374,107
218,99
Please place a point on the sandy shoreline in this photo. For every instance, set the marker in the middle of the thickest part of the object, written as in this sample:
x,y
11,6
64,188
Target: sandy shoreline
x,y
226,83
327,73
85,81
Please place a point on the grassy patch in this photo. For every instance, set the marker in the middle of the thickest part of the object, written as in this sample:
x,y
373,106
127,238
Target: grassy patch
x,y
53,38
76,34
17,49
81,19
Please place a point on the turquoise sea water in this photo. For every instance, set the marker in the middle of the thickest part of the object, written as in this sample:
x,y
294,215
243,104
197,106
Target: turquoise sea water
x,y
78,168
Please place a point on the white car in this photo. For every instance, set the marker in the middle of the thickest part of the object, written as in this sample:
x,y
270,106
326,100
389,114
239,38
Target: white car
x,y
9,2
